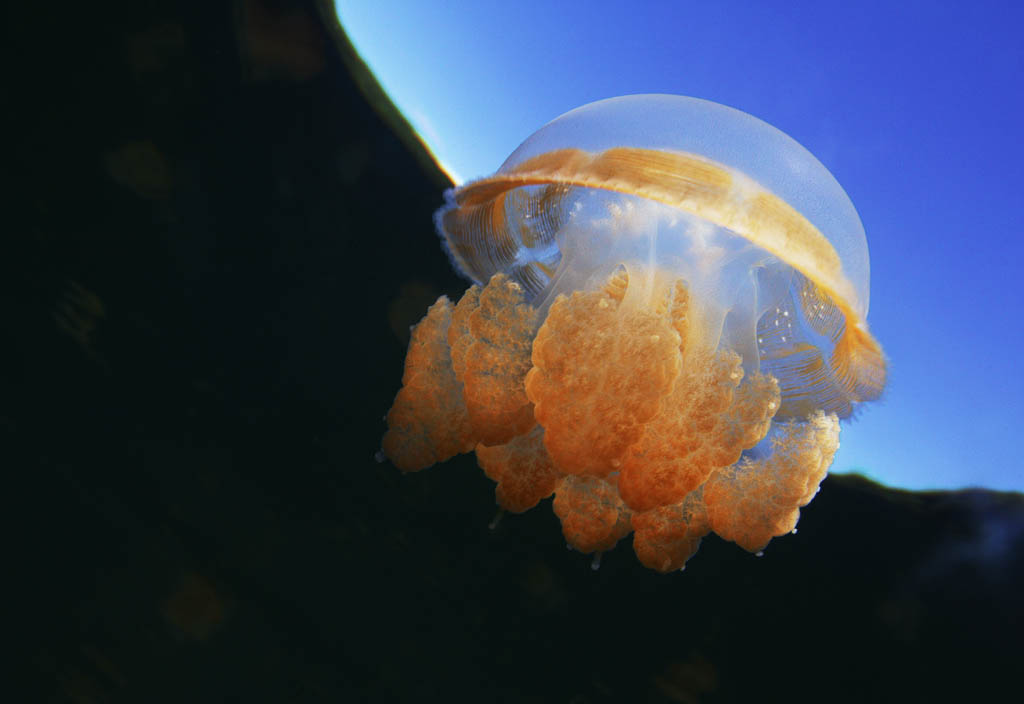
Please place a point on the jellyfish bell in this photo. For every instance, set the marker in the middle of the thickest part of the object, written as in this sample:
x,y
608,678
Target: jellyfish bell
x,y
745,214
668,320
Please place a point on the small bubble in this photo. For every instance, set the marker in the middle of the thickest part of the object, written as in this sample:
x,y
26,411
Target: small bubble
x,y
793,532
497,519
759,553
379,456
595,564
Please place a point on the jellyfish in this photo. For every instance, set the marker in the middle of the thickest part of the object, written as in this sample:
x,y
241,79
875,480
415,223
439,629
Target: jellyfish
x,y
666,324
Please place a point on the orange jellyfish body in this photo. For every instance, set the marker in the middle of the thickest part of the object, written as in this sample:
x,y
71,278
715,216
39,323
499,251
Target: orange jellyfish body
x,y
668,323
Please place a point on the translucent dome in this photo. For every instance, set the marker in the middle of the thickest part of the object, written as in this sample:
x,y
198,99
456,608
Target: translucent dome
x,y
673,186
776,162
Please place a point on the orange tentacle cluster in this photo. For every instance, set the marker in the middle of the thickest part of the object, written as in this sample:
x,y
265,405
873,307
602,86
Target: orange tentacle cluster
x,y
599,376
622,410
428,422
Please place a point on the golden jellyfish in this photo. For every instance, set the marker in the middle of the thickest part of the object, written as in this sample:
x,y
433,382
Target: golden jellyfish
x,y
666,325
